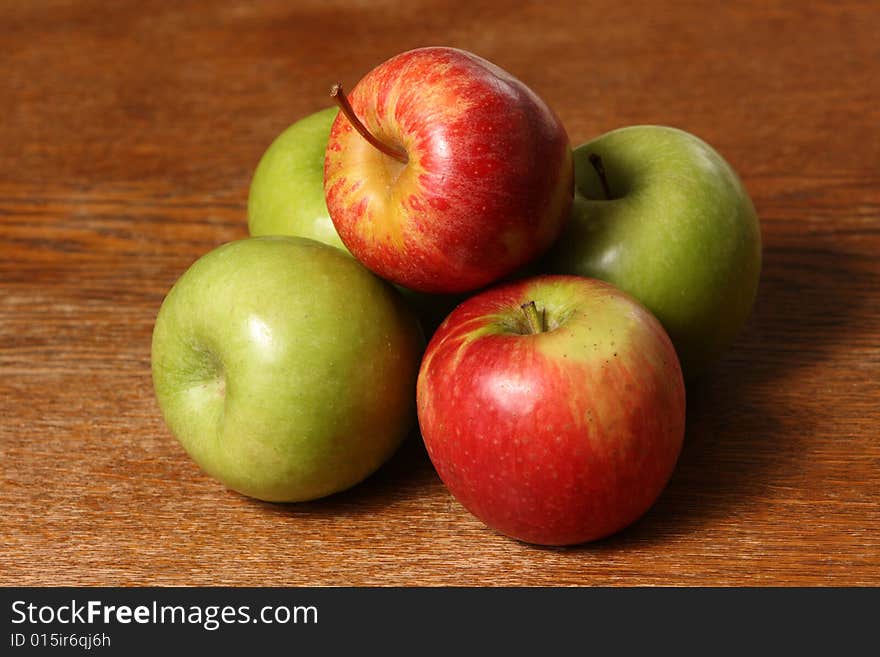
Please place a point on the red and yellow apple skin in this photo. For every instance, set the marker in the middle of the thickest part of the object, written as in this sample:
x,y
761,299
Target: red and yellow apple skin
x,y
487,184
558,437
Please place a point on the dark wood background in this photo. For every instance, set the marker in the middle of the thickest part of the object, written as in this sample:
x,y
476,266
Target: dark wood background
x,y
129,132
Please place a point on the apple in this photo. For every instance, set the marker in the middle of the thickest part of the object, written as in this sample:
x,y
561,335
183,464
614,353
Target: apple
x,y
445,173
285,368
674,227
553,408
286,196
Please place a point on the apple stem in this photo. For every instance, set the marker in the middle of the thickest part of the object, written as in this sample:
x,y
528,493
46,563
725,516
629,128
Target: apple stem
x,y
338,95
599,166
537,319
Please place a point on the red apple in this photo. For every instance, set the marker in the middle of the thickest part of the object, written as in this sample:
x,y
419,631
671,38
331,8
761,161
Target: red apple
x,y
554,423
445,173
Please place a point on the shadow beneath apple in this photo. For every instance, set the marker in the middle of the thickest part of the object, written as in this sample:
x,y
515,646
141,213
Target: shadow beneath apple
x,y
750,417
407,474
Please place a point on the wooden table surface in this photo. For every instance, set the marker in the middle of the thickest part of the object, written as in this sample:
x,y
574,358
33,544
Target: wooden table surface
x,y
129,134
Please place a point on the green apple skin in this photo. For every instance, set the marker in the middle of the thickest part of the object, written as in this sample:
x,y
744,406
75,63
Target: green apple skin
x,y
679,233
287,190
285,368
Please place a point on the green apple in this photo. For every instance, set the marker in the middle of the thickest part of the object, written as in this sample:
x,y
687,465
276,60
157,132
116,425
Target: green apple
x,y
660,214
285,368
287,190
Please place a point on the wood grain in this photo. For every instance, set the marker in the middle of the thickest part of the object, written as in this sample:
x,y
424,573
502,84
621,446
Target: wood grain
x,y
129,134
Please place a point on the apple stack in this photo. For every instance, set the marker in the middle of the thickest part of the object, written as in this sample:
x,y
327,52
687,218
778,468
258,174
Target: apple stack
x,y
586,285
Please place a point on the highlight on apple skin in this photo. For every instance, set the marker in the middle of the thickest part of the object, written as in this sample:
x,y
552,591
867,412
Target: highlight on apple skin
x,y
553,408
285,368
481,182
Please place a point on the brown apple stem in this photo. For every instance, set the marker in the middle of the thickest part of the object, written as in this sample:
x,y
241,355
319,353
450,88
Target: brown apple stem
x,y
596,161
536,319
338,95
